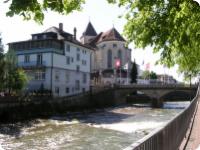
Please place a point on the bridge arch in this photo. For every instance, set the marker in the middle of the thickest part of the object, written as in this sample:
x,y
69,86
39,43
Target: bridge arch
x,y
178,95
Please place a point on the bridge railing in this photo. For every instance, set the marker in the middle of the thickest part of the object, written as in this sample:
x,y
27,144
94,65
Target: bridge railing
x,y
171,135
157,86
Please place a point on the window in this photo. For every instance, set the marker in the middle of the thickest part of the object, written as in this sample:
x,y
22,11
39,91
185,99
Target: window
x,y
78,49
84,62
67,77
119,55
27,58
103,46
67,48
67,90
67,60
72,59
109,59
77,85
35,37
39,75
114,45
84,51
84,78
57,76
57,90
78,57
77,68
39,59
44,36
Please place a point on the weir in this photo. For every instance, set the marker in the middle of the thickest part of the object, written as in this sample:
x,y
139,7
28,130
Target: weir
x,y
170,136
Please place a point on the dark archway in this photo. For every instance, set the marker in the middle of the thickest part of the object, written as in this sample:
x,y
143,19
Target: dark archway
x,y
178,96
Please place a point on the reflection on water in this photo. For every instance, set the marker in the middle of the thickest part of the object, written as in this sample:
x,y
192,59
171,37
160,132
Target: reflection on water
x,y
108,129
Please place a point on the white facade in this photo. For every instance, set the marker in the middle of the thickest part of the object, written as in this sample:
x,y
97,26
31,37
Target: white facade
x,y
101,55
64,74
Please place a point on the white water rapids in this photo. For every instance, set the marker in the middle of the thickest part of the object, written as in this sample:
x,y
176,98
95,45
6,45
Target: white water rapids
x,y
107,129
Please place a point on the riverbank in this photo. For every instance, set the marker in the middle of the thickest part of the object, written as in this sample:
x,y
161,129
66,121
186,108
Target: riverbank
x,y
42,107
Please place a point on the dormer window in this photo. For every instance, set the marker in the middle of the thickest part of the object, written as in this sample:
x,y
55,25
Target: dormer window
x,y
44,36
35,37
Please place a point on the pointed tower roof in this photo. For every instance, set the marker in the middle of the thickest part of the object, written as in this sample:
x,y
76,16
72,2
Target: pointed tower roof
x,y
90,31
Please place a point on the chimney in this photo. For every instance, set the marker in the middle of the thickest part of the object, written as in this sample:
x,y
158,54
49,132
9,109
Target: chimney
x,y
61,26
75,33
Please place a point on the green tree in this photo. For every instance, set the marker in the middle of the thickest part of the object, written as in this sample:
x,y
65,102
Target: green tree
x,y
149,75
19,80
15,78
1,46
146,74
153,75
134,73
34,9
2,65
171,27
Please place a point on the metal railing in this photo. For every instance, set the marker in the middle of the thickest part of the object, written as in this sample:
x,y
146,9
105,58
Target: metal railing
x,y
31,64
171,135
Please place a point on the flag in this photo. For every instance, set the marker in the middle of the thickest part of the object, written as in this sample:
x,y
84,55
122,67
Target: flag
x,y
125,66
117,63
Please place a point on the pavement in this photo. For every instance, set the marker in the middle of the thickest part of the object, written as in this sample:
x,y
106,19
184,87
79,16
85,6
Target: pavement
x,y
194,140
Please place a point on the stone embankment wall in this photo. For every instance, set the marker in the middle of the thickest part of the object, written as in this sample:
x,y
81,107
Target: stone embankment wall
x,y
12,109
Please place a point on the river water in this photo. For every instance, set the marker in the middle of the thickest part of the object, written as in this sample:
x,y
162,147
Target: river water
x,y
105,129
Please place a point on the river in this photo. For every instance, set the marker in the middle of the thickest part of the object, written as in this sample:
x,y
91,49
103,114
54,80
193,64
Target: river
x,y
105,129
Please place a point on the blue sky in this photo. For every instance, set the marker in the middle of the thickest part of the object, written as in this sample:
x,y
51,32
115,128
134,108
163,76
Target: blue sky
x,y
102,15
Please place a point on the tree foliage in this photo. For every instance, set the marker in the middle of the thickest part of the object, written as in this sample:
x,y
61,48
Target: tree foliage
x,y
153,75
145,74
172,28
149,75
12,79
34,9
2,65
134,73
1,46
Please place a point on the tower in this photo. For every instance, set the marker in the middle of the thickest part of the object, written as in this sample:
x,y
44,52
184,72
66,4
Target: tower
x,y
88,34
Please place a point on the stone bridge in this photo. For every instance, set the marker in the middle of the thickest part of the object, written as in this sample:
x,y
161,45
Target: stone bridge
x,y
158,93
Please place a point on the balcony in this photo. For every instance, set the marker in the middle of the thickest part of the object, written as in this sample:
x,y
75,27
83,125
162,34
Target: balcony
x,y
32,64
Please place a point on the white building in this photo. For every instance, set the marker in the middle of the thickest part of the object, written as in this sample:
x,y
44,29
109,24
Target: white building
x,y
108,47
55,60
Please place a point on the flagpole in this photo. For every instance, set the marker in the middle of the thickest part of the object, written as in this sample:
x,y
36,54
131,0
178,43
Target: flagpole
x,y
127,73
120,75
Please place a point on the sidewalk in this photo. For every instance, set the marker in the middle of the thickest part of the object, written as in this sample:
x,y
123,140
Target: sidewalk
x,y
194,141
